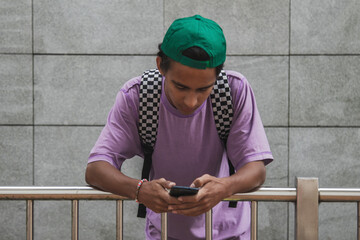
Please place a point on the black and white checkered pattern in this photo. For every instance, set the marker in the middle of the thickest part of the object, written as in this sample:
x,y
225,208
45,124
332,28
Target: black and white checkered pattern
x,y
222,105
150,93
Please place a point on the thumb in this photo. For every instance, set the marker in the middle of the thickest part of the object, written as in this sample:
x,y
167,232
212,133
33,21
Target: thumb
x,y
201,181
167,184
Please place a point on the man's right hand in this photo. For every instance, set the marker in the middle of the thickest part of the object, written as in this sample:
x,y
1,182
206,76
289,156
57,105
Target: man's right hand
x,y
154,195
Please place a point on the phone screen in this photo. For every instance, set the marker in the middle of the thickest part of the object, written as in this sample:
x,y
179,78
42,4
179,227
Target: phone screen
x,y
178,191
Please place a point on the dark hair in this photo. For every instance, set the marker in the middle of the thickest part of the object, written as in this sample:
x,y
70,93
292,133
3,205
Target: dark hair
x,y
195,53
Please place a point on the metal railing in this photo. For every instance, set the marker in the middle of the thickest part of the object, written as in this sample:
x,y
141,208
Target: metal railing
x,y
306,195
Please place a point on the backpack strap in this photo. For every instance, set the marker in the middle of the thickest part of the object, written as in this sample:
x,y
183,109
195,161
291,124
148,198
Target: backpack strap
x,y
150,93
222,105
223,113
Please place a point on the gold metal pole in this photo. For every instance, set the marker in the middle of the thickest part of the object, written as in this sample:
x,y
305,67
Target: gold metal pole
x,y
254,214
358,220
75,220
119,220
164,226
208,225
29,220
307,209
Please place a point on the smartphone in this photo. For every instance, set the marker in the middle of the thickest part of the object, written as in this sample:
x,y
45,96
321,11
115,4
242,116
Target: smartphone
x,y
177,191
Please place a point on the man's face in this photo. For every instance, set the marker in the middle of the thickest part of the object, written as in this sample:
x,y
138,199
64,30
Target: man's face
x,y
187,88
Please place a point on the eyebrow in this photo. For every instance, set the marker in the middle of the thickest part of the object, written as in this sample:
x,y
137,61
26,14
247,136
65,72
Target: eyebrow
x,y
184,86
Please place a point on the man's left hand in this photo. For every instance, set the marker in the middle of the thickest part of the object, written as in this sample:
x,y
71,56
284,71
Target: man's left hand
x,y
212,191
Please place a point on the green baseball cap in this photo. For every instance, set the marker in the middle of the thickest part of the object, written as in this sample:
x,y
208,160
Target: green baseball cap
x,y
195,31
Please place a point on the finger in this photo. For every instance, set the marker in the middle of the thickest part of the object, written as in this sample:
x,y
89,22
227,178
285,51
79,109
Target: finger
x,y
195,211
173,200
165,183
183,206
189,199
201,181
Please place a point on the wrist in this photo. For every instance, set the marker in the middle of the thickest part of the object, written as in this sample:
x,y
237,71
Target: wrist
x,y
229,186
140,183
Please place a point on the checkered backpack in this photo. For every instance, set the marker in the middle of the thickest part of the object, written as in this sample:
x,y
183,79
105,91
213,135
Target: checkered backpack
x,y
150,92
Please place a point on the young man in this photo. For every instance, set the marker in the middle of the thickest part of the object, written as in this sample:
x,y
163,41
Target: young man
x,y
188,150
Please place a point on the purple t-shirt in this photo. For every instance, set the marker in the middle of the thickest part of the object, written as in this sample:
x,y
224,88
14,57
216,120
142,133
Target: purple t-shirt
x,y
187,147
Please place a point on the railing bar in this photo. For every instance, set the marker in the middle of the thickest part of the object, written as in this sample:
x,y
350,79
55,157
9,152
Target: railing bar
x,y
75,220
164,226
29,220
254,220
119,220
208,225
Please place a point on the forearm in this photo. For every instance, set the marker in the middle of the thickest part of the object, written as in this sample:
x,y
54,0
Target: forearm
x,y
104,176
248,178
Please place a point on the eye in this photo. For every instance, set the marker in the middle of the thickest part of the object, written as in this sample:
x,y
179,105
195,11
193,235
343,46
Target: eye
x,y
180,87
203,89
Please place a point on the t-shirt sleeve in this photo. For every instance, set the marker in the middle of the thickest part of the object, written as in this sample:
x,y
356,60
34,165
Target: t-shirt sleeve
x,y
247,140
119,139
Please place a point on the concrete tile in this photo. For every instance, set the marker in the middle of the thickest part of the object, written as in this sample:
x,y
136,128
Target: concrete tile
x,y
336,221
15,26
134,227
250,27
105,27
16,89
97,220
16,156
15,170
13,220
331,154
61,154
277,171
268,77
272,220
133,167
52,220
82,89
325,90
325,26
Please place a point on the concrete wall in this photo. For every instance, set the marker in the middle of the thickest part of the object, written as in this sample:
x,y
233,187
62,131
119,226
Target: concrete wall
x,y
62,63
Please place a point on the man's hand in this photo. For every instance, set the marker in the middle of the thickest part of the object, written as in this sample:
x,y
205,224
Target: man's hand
x,y
212,191
154,195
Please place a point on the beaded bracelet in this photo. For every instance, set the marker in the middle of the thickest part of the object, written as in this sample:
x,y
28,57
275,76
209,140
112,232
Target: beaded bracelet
x,y
138,189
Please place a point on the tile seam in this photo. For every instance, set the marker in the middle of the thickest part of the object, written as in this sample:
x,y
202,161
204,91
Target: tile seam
x,y
288,129
33,92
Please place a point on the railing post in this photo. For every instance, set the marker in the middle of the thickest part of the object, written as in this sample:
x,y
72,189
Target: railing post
x,y
164,226
307,209
358,220
29,219
75,220
254,214
119,220
208,225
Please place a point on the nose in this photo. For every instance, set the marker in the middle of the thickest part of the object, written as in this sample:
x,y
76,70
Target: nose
x,y
191,101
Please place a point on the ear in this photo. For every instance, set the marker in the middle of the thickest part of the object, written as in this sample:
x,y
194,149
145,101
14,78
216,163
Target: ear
x,y
158,61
